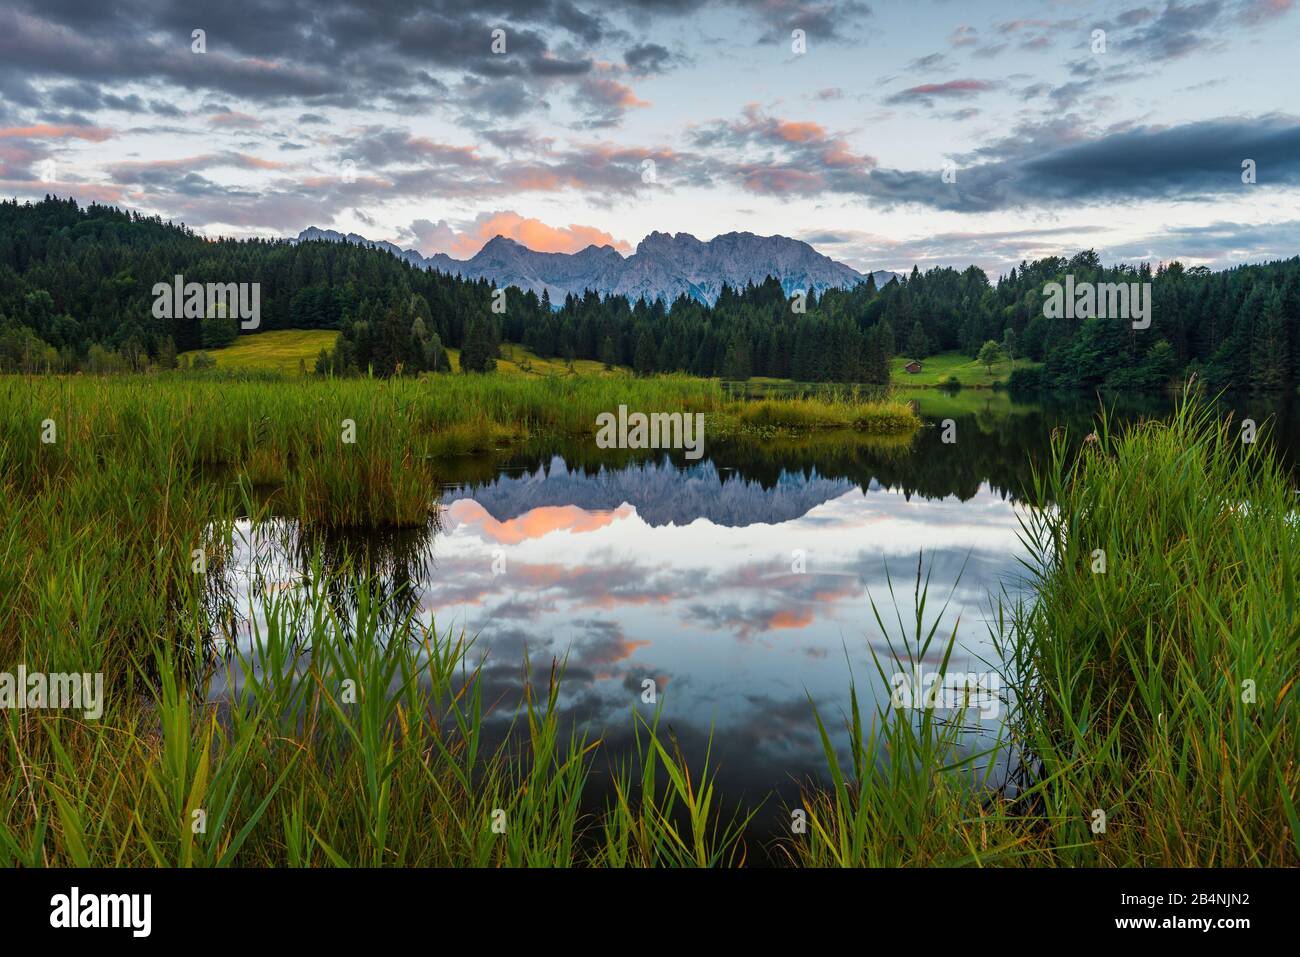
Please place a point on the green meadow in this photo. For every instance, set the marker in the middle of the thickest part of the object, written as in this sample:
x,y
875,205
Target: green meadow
x,y
286,351
941,368
290,352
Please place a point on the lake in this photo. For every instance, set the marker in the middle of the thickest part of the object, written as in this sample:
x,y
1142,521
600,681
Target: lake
x,y
733,589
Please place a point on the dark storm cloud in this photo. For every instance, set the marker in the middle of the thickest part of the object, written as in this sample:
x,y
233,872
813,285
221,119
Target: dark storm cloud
x,y
1048,164
821,21
647,58
321,51
1185,162
497,99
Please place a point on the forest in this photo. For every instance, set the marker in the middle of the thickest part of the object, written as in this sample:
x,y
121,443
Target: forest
x,y
75,295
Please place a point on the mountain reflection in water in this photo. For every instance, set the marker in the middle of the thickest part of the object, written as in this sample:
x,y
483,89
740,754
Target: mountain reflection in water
x,y
741,584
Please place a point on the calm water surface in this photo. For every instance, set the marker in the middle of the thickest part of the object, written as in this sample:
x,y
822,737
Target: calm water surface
x,y
741,584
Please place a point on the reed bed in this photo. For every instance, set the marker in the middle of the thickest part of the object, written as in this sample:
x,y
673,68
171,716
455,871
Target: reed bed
x,y
1160,691
1155,674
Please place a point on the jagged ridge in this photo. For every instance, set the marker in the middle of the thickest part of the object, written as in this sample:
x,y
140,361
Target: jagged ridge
x,y
663,267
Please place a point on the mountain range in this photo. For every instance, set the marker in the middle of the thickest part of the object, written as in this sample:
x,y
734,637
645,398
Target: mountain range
x,y
662,493
664,266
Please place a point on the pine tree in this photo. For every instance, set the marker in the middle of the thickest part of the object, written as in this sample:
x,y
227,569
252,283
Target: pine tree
x,y
918,346
478,354
643,361
1270,361
609,353
736,364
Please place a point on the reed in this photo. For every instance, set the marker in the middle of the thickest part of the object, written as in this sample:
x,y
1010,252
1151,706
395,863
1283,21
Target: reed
x,y
1150,680
1161,691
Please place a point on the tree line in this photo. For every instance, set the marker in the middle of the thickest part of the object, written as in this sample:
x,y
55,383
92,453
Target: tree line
x,y
76,295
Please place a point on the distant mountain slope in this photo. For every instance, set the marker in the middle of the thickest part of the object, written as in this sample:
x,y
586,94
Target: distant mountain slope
x,y
664,266
661,493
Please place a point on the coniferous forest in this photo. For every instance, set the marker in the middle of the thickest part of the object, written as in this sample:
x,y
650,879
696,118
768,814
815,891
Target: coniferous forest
x,y
76,295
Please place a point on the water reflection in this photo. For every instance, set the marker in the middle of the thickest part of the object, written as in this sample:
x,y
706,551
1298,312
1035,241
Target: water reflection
x,y
740,585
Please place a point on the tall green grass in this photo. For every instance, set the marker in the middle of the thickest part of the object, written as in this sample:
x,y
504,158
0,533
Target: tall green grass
x,y
1162,690
364,740
1151,701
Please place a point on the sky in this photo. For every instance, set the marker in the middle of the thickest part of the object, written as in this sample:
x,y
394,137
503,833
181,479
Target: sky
x,y
885,134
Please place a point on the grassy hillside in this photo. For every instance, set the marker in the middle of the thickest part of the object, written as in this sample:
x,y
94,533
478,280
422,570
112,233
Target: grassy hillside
x,y
936,369
516,360
279,351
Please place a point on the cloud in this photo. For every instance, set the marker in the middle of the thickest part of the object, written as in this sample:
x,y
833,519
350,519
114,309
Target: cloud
x,y
932,61
328,52
1056,163
464,242
645,59
964,36
603,100
48,131
821,21
234,120
1219,245
1264,11
927,93
379,147
1179,30
174,172
803,157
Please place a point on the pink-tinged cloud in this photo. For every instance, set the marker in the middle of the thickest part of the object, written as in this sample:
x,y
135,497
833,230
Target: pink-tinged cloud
x,y
533,233
779,180
256,162
793,132
963,36
205,161
49,131
1261,11
612,651
1025,23
950,88
791,619
811,152
234,120
536,523
613,93
634,599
